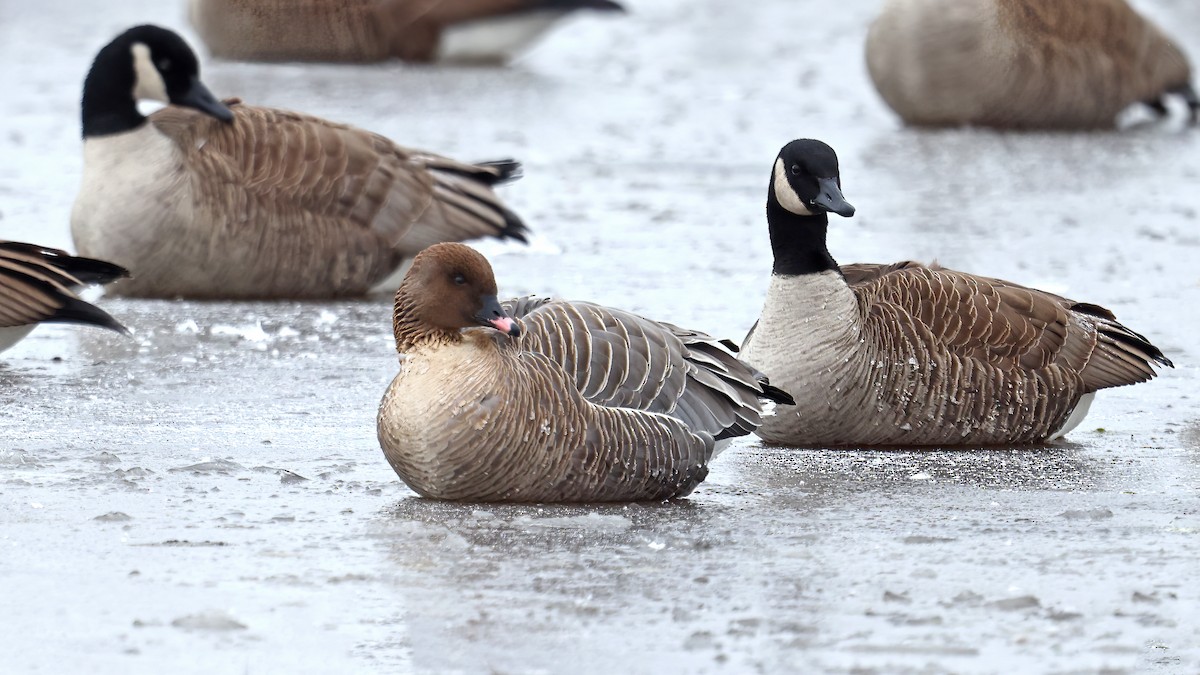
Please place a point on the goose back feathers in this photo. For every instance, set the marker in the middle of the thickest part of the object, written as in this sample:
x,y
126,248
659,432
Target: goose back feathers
x,y
38,284
375,30
271,203
906,354
578,403
1065,64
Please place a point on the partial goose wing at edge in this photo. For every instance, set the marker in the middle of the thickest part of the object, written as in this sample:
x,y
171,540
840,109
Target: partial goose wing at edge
x,y
619,359
33,290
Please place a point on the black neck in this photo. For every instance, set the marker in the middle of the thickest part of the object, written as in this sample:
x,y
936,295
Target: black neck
x,y
798,242
108,104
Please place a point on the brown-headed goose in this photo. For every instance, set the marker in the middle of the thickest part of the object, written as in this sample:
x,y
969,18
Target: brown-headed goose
x,y
479,31
1022,64
208,200
548,400
909,355
38,284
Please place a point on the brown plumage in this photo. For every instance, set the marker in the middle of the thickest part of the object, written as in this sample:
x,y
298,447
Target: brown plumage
x,y
237,201
371,30
37,285
1024,64
906,354
588,403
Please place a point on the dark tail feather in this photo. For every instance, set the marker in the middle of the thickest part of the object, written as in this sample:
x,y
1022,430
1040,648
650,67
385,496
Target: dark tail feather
x,y
1188,93
514,227
75,310
776,394
599,5
506,170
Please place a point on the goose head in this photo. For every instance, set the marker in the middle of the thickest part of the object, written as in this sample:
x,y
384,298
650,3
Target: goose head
x,y
146,63
450,287
805,180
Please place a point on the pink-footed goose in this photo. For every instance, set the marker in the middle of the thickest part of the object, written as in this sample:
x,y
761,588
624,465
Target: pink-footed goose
x,y
38,284
477,31
1022,64
551,401
205,199
909,355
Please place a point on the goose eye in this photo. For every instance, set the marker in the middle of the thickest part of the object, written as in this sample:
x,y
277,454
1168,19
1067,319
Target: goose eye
x,y
795,169
459,280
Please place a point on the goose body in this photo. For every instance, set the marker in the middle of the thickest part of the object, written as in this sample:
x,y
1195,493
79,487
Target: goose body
x,y
488,31
915,355
578,402
38,284
1025,64
224,200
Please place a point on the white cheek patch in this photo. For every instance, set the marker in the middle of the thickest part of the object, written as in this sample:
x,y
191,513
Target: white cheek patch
x,y
787,197
147,81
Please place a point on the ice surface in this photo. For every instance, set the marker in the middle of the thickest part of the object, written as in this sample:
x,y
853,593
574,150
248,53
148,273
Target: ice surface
x,y
647,141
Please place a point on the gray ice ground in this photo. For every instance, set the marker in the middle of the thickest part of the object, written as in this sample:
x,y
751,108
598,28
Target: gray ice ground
x,y
210,497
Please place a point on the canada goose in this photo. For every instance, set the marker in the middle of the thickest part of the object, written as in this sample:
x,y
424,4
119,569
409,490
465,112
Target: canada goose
x,y
1025,64
912,355
562,401
481,31
37,285
205,199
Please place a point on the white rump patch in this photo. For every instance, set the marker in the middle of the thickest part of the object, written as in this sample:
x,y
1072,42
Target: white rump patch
x,y
1076,416
787,197
496,39
12,335
147,81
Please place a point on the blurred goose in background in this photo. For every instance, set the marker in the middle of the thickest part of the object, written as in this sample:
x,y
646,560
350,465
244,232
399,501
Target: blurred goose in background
x,y
552,401
1022,64
206,199
38,284
478,31
909,355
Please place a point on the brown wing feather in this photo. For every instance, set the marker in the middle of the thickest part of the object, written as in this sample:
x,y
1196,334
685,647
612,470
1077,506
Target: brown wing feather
x,y
286,169
1013,327
619,359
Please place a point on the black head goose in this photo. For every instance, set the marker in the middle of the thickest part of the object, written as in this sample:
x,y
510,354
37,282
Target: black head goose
x,y
480,31
38,284
551,400
206,199
907,354
1032,64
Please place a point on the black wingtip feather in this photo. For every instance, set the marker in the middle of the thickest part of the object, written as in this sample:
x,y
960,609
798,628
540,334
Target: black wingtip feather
x,y
79,311
502,171
598,5
87,270
1138,342
776,394
514,227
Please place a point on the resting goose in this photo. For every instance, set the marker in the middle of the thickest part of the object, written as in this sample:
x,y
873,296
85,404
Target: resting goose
x,y
205,199
478,31
1025,64
909,355
37,285
542,400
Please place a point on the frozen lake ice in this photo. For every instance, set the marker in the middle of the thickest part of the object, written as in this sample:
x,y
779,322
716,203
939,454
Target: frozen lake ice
x,y
209,496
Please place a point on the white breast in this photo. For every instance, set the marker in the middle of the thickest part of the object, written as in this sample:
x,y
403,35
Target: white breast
x,y
133,185
804,341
